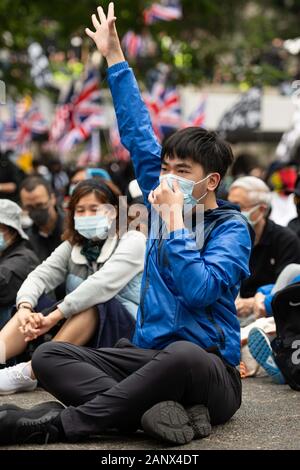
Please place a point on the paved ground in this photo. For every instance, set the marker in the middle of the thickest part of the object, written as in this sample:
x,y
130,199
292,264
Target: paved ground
x,y
268,419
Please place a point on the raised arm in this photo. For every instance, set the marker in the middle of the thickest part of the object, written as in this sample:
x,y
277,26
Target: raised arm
x,y
133,118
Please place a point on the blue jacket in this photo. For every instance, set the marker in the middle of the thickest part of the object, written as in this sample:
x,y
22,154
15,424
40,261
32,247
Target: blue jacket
x,y
187,293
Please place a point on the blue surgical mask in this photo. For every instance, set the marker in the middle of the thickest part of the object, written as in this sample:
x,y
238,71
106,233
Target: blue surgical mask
x,y
186,186
247,215
3,242
93,227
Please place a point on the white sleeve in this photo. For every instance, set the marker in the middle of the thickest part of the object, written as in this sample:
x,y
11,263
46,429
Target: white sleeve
x,y
47,276
126,262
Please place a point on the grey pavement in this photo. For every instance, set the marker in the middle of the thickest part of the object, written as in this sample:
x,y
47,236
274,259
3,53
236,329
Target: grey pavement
x,y
269,418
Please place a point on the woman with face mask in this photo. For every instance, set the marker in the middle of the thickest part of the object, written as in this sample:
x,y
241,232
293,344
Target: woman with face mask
x,y
101,263
17,260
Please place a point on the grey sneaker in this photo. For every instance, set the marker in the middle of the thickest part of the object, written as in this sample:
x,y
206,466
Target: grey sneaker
x,y
169,421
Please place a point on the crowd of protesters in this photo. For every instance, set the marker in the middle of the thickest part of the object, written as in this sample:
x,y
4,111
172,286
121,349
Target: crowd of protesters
x,y
125,340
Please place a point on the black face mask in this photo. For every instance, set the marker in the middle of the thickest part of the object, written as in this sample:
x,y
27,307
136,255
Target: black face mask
x,y
40,217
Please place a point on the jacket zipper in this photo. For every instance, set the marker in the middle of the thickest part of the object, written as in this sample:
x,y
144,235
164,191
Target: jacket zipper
x,y
217,327
146,286
147,276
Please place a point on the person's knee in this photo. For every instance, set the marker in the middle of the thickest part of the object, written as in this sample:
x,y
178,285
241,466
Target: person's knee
x,y
40,358
183,353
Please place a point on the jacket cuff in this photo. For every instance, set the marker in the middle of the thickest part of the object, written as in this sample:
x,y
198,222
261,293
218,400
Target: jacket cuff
x,y
65,309
117,67
28,300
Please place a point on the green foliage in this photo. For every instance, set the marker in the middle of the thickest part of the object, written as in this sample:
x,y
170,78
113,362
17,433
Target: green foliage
x,y
216,40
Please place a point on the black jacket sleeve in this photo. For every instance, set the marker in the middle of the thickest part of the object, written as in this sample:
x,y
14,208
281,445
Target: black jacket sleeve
x,y
287,249
13,272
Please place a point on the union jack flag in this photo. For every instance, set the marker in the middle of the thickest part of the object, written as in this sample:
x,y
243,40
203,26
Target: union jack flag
x,y
118,150
132,44
61,121
166,10
164,107
79,115
81,133
197,118
26,122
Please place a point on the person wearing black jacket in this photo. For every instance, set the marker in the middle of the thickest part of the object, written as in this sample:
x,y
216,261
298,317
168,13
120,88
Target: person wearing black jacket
x,y
38,200
17,260
10,178
295,223
275,247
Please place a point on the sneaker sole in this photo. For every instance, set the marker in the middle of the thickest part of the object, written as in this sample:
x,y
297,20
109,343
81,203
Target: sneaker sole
x,y
168,421
52,405
200,420
262,351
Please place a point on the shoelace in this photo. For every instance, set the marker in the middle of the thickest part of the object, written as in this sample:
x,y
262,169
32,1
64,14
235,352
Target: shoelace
x,y
38,428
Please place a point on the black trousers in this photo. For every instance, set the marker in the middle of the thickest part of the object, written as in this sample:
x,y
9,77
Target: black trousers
x,y
112,387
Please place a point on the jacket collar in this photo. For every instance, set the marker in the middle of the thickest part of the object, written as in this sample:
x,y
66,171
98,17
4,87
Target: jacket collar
x,y
106,252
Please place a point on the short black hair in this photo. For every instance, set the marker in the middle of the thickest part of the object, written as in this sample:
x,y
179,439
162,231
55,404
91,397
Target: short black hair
x,y
32,182
243,164
201,146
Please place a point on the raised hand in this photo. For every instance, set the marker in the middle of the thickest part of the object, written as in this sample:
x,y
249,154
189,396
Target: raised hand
x,y
106,37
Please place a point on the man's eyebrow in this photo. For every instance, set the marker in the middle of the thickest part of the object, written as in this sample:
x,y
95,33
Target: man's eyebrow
x,y
178,165
183,165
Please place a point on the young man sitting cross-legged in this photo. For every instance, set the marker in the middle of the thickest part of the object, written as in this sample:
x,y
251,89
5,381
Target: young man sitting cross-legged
x,y
178,376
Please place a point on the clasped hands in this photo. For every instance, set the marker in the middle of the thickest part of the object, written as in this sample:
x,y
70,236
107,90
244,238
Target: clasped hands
x,y
35,324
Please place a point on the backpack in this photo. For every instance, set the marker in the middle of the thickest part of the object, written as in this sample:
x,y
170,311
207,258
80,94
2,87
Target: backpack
x,y
286,345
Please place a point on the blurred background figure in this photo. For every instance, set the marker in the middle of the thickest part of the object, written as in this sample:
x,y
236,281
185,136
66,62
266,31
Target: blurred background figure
x,y
275,246
39,203
10,178
17,260
281,179
294,224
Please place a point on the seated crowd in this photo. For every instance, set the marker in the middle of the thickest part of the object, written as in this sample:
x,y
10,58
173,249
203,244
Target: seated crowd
x,y
117,325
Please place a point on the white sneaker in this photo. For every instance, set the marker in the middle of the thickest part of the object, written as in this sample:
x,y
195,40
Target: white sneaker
x,y
13,379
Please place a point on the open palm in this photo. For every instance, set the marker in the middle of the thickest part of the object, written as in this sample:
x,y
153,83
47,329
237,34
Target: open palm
x,y
106,36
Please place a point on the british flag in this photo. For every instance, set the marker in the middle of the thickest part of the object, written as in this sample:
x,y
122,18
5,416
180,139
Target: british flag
x,y
81,132
132,44
164,107
82,113
62,117
197,118
166,10
26,122
119,151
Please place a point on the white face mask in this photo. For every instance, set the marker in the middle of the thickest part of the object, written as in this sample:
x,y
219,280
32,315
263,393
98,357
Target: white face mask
x,y
93,227
247,214
186,186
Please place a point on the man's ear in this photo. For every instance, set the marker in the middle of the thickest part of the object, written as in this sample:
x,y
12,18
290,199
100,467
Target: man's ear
x,y
213,181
